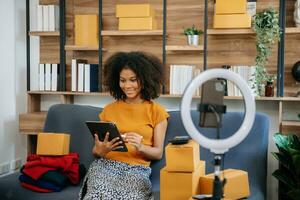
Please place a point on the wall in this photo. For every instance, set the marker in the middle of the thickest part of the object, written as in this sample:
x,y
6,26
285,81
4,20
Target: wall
x,y
12,79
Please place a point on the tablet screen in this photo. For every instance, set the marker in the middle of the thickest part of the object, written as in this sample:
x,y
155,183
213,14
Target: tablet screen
x,y
101,128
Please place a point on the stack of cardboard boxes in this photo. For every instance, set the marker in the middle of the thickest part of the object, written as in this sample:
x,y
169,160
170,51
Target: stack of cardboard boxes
x,y
231,14
184,175
179,179
136,17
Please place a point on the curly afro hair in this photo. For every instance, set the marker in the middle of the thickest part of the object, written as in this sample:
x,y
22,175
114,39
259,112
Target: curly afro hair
x,y
148,69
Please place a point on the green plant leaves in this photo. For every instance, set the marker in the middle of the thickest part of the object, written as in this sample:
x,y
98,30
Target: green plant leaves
x,y
289,159
282,176
294,194
267,29
192,31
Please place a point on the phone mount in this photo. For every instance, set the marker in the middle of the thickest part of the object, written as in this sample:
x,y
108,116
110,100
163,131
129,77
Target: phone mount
x,y
217,146
218,184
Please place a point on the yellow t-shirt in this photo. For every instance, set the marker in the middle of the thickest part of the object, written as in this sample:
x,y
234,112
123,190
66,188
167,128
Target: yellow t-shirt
x,y
140,118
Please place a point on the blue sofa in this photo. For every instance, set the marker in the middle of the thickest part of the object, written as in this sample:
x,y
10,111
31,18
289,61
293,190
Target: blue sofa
x,y
250,155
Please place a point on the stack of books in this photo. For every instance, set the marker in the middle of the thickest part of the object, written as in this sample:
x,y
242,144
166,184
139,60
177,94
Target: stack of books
x,y
47,18
84,76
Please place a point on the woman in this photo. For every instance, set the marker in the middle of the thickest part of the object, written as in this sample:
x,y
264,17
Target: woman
x,y
134,79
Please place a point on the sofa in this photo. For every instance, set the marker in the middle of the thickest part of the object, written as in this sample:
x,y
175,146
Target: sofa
x,y
250,155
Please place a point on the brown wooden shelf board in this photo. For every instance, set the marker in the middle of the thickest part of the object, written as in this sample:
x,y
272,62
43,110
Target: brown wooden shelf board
x,y
129,33
184,48
32,123
44,33
229,31
82,48
68,93
163,95
292,30
290,123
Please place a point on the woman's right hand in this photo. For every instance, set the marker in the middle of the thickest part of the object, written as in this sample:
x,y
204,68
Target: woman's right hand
x,y
100,149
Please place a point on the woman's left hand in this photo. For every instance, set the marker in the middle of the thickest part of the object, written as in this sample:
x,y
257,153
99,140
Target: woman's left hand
x,y
134,139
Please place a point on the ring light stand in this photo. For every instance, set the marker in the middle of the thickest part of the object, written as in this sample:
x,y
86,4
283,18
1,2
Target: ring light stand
x,y
218,146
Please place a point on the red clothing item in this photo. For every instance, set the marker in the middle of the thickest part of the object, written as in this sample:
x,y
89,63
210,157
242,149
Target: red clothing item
x,y
37,165
35,188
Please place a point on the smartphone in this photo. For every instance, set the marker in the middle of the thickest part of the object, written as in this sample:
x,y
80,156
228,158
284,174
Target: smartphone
x,y
180,139
212,93
101,128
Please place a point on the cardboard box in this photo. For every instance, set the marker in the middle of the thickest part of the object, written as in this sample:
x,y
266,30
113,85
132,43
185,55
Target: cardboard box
x,y
143,23
182,158
86,30
232,21
134,10
235,179
53,144
231,7
180,185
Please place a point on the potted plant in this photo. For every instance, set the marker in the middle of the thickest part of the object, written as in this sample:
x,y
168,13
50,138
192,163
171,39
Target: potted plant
x,y
267,30
192,34
288,173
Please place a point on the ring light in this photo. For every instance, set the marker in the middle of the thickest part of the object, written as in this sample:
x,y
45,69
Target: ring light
x,y
222,145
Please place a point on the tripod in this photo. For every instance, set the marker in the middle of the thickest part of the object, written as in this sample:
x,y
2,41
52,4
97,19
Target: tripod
x,y
218,184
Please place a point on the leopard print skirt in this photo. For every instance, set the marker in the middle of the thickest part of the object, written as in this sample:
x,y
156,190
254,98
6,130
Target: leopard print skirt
x,y
112,180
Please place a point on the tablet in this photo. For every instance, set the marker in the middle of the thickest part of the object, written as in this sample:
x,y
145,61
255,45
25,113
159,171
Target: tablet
x,y
101,128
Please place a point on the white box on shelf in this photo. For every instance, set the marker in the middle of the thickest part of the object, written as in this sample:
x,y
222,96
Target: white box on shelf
x,y
54,75
45,18
40,18
48,76
53,17
81,77
41,77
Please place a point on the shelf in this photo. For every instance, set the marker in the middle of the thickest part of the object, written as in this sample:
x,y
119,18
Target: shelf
x,y
184,48
44,33
131,33
32,123
229,31
162,95
82,48
68,93
291,123
292,30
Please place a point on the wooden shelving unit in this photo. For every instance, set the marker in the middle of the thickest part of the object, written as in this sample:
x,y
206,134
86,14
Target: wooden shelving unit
x,y
131,33
44,33
224,45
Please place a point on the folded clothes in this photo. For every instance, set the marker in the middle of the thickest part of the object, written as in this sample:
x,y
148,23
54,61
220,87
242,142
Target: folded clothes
x,y
39,183
68,165
35,188
55,177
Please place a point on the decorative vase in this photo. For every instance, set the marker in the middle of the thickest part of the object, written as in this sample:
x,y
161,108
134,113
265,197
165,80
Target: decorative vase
x,y
193,40
269,89
297,13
